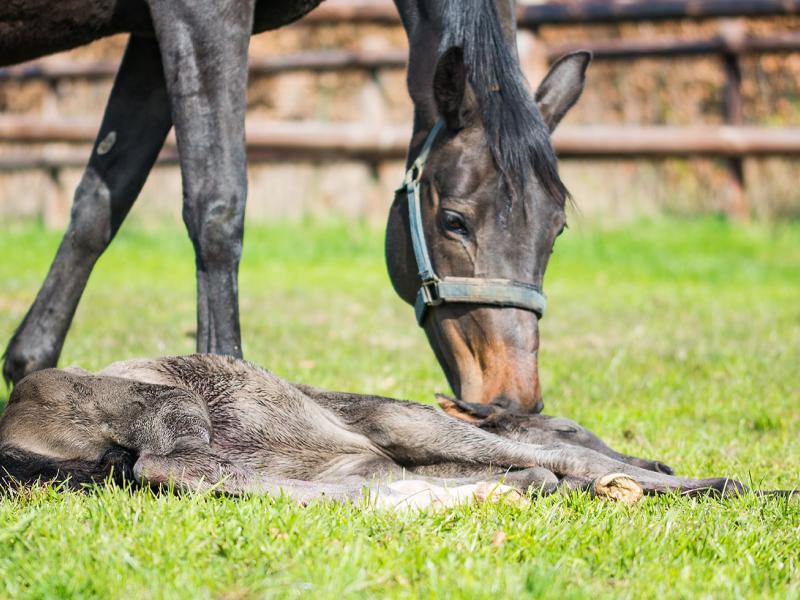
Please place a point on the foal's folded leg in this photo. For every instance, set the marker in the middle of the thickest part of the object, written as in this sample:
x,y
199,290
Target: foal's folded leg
x,y
539,429
199,469
418,435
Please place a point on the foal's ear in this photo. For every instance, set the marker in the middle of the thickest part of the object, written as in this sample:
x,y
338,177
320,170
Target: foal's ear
x,y
563,85
450,88
476,414
450,407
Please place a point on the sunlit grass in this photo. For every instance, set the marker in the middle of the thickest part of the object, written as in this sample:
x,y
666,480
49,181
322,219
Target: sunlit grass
x,y
674,339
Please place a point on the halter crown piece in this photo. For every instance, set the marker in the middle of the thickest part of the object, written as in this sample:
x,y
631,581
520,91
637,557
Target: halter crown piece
x,y
464,290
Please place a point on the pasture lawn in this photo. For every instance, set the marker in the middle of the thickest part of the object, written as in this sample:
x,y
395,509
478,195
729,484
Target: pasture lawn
x,y
674,339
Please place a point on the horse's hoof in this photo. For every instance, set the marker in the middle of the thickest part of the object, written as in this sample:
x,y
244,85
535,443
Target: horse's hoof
x,y
17,364
620,487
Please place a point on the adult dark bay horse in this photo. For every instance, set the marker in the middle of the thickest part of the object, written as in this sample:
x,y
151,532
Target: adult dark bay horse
x,y
468,236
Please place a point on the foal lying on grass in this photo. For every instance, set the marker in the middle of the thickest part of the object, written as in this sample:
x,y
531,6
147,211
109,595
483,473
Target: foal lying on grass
x,y
203,421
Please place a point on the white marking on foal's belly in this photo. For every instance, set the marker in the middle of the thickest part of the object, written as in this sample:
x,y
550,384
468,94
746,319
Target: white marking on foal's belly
x,y
416,494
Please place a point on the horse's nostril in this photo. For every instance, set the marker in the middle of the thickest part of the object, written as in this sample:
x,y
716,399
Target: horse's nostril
x,y
503,402
508,404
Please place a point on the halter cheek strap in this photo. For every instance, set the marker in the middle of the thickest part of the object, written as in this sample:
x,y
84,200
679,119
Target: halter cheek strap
x,y
465,290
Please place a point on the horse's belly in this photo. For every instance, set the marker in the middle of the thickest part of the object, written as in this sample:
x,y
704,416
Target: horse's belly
x,y
33,28
272,14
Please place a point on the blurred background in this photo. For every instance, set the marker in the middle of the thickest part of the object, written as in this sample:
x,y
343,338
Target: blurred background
x,y
686,110
673,325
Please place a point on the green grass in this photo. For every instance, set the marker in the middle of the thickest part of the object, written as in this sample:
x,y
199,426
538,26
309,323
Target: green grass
x,y
672,339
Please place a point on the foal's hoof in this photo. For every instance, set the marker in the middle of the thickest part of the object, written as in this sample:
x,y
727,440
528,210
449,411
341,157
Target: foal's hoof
x,y
619,486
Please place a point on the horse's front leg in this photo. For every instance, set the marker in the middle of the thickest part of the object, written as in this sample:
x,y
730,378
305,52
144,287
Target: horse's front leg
x,y
135,124
204,48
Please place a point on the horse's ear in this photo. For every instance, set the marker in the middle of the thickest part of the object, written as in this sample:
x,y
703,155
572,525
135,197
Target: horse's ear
x,y
450,88
563,85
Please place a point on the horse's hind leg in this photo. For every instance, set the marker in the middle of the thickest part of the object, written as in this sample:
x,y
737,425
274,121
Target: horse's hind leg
x,y
135,124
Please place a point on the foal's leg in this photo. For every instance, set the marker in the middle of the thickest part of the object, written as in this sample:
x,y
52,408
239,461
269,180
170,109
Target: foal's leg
x,y
204,48
416,435
134,127
199,469
539,429
530,429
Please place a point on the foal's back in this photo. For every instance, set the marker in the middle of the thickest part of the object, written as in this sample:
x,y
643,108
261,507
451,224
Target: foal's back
x,y
243,414
259,420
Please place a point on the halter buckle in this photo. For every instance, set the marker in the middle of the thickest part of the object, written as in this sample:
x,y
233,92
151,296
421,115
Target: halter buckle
x,y
430,292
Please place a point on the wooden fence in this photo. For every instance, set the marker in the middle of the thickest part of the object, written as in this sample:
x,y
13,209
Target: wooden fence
x,y
276,141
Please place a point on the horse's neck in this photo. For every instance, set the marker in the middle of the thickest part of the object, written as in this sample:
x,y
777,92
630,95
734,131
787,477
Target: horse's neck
x,y
422,20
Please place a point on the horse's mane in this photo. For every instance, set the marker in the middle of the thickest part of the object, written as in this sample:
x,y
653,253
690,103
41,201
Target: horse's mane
x,y
517,135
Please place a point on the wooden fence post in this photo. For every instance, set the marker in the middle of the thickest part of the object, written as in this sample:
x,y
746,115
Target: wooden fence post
x,y
55,210
733,32
56,206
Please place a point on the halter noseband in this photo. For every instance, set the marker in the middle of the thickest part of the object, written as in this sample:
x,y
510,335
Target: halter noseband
x,y
465,290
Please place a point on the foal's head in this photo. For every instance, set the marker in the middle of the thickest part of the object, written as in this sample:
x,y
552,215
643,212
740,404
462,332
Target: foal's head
x,y
492,205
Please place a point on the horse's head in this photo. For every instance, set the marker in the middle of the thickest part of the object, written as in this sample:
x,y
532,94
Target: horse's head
x,y
490,208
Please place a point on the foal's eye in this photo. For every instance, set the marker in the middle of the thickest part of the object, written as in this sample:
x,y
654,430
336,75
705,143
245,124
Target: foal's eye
x,y
454,222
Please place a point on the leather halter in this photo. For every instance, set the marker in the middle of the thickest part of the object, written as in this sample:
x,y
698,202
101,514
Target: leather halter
x,y
464,290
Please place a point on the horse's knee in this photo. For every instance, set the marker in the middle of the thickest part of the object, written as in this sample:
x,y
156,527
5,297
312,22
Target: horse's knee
x,y
216,225
90,229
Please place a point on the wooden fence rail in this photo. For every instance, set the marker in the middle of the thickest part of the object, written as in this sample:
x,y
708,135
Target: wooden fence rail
x,y
729,41
281,140
573,12
275,141
56,69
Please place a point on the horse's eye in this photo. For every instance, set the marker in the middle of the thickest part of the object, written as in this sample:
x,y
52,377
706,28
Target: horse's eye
x,y
454,222
560,231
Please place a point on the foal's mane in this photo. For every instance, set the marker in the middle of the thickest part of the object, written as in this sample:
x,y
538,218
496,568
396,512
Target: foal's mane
x,y
517,135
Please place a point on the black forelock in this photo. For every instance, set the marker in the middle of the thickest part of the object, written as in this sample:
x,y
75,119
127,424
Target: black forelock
x,y
518,137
